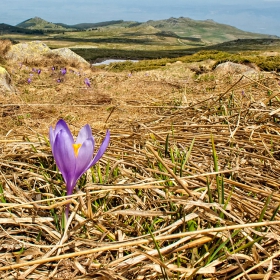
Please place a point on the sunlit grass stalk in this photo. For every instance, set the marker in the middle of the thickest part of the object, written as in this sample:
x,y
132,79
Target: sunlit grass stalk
x,y
269,93
228,199
209,191
220,247
231,102
187,155
107,171
38,238
99,173
219,180
275,212
264,209
247,246
164,274
2,197
166,146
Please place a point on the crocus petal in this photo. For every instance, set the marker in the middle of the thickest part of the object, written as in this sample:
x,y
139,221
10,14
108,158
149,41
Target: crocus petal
x,y
64,156
61,125
84,158
101,150
51,136
84,134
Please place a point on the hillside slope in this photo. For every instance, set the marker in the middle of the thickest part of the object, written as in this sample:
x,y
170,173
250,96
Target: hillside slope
x,y
183,28
40,24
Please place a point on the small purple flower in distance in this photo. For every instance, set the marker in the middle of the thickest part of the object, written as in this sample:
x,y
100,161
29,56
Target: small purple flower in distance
x,y
74,158
39,71
59,80
29,80
87,82
63,71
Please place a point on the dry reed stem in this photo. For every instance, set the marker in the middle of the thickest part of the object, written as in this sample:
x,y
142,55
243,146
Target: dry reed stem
x,y
138,242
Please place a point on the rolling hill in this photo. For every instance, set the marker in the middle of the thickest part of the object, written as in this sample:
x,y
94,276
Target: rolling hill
x,y
10,29
38,23
207,31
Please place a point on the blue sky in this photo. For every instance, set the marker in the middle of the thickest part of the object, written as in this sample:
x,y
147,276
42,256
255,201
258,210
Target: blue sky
x,y
260,16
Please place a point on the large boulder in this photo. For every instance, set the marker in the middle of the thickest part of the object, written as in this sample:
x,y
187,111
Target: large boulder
x,y
36,51
5,81
30,51
70,55
234,68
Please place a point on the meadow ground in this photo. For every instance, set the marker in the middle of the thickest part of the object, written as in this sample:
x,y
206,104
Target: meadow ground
x,y
187,189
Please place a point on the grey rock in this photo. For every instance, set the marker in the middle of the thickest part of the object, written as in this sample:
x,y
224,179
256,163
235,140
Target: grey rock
x,y
29,51
37,50
5,81
70,55
235,68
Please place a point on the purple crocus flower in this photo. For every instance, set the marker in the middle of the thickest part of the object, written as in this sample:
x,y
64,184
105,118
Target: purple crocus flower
x,y
63,71
29,80
87,82
39,71
74,158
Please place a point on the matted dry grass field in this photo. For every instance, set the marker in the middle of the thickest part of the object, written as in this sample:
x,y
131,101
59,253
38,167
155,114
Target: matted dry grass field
x,y
188,188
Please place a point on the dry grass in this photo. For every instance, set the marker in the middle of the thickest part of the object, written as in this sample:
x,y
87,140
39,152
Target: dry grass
x,y
188,188
4,47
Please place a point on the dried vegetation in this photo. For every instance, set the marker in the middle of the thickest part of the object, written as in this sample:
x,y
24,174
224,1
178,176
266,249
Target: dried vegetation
x,y
188,188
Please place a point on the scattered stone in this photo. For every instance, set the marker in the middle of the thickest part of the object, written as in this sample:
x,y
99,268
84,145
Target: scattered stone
x,y
5,81
70,55
37,50
29,51
235,68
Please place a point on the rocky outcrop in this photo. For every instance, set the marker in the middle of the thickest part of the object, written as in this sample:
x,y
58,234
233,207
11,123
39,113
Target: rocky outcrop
x,y
5,81
235,68
37,51
70,55
30,51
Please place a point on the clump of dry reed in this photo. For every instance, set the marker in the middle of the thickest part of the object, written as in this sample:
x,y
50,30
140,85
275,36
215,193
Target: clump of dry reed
x,y
188,188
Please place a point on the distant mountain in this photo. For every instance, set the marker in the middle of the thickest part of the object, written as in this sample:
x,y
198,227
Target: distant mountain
x,y
8,29
208,30
205,32
40,24
98,24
